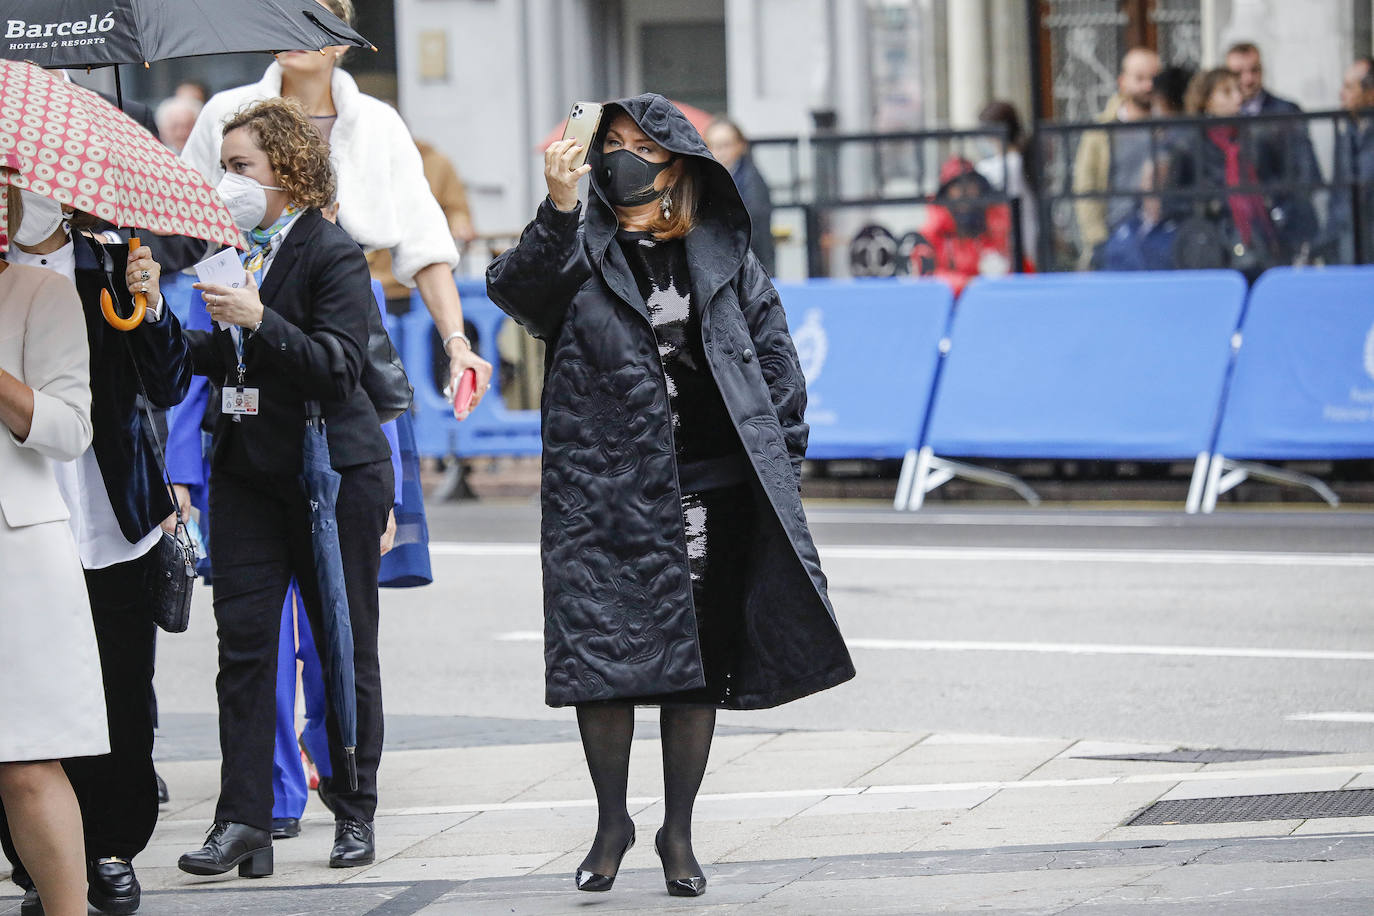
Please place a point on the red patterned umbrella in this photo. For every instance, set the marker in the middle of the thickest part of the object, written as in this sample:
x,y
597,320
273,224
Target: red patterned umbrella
x,y
67,143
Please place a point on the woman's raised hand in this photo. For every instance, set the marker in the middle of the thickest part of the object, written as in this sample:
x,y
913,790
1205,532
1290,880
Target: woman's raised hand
x,y
143,276
560,175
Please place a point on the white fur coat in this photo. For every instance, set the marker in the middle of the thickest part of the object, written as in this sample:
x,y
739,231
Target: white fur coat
x,y
384,200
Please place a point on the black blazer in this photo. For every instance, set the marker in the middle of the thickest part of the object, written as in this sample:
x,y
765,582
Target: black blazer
x,y
311,347
122,441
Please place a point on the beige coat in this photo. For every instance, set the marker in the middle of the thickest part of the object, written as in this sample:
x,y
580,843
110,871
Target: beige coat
x,y
52,701
1092,168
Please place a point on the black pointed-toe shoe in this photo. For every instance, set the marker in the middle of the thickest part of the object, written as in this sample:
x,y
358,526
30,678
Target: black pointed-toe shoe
x,y
354,844
284,828
691,886
163,796
31,905
229,844
112,887
591,881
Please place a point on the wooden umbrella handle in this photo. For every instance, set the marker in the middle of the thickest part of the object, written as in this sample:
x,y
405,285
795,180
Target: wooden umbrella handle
x,y
140,302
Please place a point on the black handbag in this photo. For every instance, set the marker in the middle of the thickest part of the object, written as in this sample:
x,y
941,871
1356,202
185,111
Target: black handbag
x,y
384,376
170,567
171,572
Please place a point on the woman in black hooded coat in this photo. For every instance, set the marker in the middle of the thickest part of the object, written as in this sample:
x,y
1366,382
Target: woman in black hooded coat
x,y
678,567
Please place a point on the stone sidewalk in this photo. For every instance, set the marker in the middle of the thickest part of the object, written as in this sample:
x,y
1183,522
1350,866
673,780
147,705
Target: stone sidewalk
x,y
805,822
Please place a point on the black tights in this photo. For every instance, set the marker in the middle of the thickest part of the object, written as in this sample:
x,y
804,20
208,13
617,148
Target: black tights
x,y
686,732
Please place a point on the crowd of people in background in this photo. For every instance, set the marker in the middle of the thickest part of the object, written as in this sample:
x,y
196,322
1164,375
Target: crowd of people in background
x,y
1157,188
1238,193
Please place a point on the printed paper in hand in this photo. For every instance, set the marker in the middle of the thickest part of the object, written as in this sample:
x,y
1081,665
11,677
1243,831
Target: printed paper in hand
x,y
222,269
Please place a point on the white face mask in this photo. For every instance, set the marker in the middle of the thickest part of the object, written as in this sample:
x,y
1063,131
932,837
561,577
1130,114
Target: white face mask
x,y
42,216
245,199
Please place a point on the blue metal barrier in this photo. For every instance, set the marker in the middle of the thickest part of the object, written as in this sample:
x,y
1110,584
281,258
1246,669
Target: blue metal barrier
x,y
868,349
491,429
1091,366
1303,386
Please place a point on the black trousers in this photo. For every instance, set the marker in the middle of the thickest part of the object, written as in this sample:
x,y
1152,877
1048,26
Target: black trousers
x,y
260,538
118,791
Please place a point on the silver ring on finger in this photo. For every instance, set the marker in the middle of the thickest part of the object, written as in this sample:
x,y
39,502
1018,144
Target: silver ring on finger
x,y
145,276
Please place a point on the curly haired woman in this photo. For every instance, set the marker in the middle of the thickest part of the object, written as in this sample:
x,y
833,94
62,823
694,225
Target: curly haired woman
x,y
295,332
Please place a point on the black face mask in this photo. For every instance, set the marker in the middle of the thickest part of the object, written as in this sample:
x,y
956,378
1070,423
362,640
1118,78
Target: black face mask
x,y
624,176
970,219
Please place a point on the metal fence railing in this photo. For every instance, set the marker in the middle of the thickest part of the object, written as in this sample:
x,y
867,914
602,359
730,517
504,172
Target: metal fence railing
x,y
1244,192
860,204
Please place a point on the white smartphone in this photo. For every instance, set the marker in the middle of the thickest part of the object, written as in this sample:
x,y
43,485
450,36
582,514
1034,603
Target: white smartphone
x,y
583,121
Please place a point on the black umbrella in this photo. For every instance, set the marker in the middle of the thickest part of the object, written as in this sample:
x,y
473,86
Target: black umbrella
x,y
104,33
321,483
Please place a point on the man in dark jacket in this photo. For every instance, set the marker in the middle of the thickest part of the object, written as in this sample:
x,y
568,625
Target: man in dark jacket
x,y
1290,147
731,149
1353,173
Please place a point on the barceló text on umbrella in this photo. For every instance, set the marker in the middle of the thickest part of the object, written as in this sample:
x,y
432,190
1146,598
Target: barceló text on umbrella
x,y
18,28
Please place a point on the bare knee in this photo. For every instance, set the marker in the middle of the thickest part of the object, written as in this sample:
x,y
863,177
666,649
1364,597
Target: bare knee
x,y
29,779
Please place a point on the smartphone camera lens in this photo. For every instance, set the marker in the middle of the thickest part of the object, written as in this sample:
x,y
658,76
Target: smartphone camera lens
x,y
577,111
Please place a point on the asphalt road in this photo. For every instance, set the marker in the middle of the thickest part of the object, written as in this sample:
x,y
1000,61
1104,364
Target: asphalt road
x,y
1246,629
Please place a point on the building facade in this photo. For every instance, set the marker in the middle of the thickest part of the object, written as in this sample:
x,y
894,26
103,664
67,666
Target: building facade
x,y
486,81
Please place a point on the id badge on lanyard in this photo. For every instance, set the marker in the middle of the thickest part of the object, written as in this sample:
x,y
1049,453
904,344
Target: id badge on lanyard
x,y
239,401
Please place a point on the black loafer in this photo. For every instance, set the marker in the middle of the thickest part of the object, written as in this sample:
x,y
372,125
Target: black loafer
x,y
31,905
284,828
229,844
354,844
162,795
112,886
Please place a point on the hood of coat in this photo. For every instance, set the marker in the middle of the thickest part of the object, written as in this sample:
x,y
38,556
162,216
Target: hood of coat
x,y
719,241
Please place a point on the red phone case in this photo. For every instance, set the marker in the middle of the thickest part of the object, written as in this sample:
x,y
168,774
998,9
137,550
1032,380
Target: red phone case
x,y
467,387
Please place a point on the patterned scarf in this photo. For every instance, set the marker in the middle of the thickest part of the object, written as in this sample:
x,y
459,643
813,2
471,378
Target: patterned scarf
x,y
1248,211
264,240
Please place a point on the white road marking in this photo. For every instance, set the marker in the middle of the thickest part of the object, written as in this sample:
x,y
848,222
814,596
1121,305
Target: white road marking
x,y
994,554
1072,648
1067,648
1215,776
1361,718
494,549
519,636
840,517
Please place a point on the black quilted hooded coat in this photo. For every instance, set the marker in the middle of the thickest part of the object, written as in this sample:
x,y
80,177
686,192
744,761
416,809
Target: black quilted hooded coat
x,y
618,615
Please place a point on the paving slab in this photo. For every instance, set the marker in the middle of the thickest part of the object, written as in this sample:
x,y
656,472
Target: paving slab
x,y
948,761
789,821
1257,785
1175,832
1051,815
1327,825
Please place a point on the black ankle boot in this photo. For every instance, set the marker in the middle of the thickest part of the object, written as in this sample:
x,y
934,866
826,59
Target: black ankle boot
x,y
229,844
112,886
354,844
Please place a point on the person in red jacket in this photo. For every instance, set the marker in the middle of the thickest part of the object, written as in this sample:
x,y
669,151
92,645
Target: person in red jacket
x,y
965,235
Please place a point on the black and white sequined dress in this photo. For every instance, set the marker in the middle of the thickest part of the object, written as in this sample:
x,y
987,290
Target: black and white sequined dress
x,y
712,467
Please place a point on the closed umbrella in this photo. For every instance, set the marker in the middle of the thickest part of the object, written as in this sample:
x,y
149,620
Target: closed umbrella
x,y
321,484
61,141
104,33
